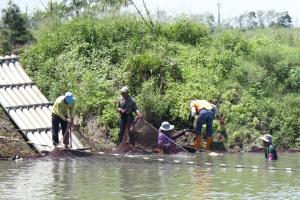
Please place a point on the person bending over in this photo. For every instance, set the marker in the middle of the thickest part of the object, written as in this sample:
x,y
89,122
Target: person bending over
x,y
62,113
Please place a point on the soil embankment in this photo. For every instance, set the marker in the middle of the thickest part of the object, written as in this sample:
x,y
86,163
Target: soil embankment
x,y
93,136
11,141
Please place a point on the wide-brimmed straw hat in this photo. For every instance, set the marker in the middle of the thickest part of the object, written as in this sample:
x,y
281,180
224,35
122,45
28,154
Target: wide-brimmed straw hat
x,y
124,89
166,126
266,138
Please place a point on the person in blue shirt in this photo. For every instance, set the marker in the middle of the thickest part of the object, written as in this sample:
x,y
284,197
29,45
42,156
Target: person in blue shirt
x,y
270,151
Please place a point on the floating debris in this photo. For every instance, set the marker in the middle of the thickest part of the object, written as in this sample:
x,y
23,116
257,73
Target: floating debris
x,y
146,158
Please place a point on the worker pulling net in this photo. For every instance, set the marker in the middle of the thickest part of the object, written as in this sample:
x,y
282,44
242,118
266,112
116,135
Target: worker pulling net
x,y
146,136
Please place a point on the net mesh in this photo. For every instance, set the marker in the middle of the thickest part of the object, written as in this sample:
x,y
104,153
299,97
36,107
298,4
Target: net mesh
x,y
144,134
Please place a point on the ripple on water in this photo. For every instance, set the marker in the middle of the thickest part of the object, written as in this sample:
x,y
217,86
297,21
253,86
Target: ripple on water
x,y
93,178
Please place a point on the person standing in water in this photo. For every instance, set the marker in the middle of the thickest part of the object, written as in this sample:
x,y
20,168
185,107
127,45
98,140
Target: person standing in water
x,y
270,151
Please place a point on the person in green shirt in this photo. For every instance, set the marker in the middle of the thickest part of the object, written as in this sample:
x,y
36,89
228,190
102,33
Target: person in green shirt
x,y
62,113
270,151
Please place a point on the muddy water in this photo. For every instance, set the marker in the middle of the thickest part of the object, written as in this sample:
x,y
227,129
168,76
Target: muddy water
x,y
95,178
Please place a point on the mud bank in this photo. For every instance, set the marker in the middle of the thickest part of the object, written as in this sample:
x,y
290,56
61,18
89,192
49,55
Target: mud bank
x,y
93,136
11,141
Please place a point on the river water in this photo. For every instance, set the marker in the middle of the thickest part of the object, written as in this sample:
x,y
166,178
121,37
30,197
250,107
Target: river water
x,y
98,178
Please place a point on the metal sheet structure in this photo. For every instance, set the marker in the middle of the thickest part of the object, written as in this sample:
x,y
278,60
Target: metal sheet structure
x,y
27,106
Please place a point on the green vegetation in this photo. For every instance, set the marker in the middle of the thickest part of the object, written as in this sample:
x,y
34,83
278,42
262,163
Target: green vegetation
x,y
253,75
92,49
14,32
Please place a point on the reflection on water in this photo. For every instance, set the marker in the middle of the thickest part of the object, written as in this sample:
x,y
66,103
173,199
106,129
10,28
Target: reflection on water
x,y
95,178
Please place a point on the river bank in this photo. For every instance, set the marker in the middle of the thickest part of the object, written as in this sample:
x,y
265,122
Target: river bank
x,y
94,136
11,141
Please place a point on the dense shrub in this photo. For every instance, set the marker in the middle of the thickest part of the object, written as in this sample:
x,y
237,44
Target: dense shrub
x,y
253,77
187,31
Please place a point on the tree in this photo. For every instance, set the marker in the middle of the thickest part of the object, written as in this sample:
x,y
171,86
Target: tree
x,y
284,20
254,19
252,23
206,18
260,18
15,31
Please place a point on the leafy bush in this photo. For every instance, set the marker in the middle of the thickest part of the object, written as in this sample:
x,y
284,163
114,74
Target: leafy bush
x,y
141,68
186,31
253,77
234,41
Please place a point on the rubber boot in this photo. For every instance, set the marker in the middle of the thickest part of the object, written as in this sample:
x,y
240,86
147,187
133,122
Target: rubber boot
x,y
209,142
198,142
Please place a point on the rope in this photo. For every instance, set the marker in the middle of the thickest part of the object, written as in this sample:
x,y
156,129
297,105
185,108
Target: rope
x,y
146,159
157,131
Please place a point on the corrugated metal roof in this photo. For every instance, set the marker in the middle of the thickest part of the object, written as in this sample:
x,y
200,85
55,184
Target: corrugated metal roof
x,y
26,105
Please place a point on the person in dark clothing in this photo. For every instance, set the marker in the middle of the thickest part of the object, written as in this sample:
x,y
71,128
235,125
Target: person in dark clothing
x,y
270,151
127,108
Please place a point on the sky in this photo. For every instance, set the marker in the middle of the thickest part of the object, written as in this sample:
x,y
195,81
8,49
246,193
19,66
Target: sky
x,y
229,8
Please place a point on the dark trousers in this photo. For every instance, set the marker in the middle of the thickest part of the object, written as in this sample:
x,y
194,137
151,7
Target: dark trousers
x,y
56,121
205,117
125,124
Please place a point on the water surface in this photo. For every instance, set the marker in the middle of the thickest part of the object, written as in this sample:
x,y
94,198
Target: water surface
x,y
96,178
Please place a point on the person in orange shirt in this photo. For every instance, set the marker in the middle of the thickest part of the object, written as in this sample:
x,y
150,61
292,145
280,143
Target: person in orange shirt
x,y
207,113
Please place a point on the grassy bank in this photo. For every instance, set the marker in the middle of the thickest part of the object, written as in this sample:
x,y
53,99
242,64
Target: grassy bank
x,y
253,76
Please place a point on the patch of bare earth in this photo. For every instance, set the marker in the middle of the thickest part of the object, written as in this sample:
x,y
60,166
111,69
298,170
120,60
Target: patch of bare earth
x,y
11,141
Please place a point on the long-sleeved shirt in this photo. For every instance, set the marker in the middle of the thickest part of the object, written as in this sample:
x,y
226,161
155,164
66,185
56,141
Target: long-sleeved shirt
x,y
128,104
162,139
62,109
270,153
165,138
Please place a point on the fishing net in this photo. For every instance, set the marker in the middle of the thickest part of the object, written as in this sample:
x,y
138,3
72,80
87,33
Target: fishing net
x,y
144,134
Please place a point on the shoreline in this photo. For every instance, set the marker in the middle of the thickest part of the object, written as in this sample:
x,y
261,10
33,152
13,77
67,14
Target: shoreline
x,y
16,157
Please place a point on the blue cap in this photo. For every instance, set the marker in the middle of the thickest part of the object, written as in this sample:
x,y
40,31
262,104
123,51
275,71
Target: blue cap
x,y
69,98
